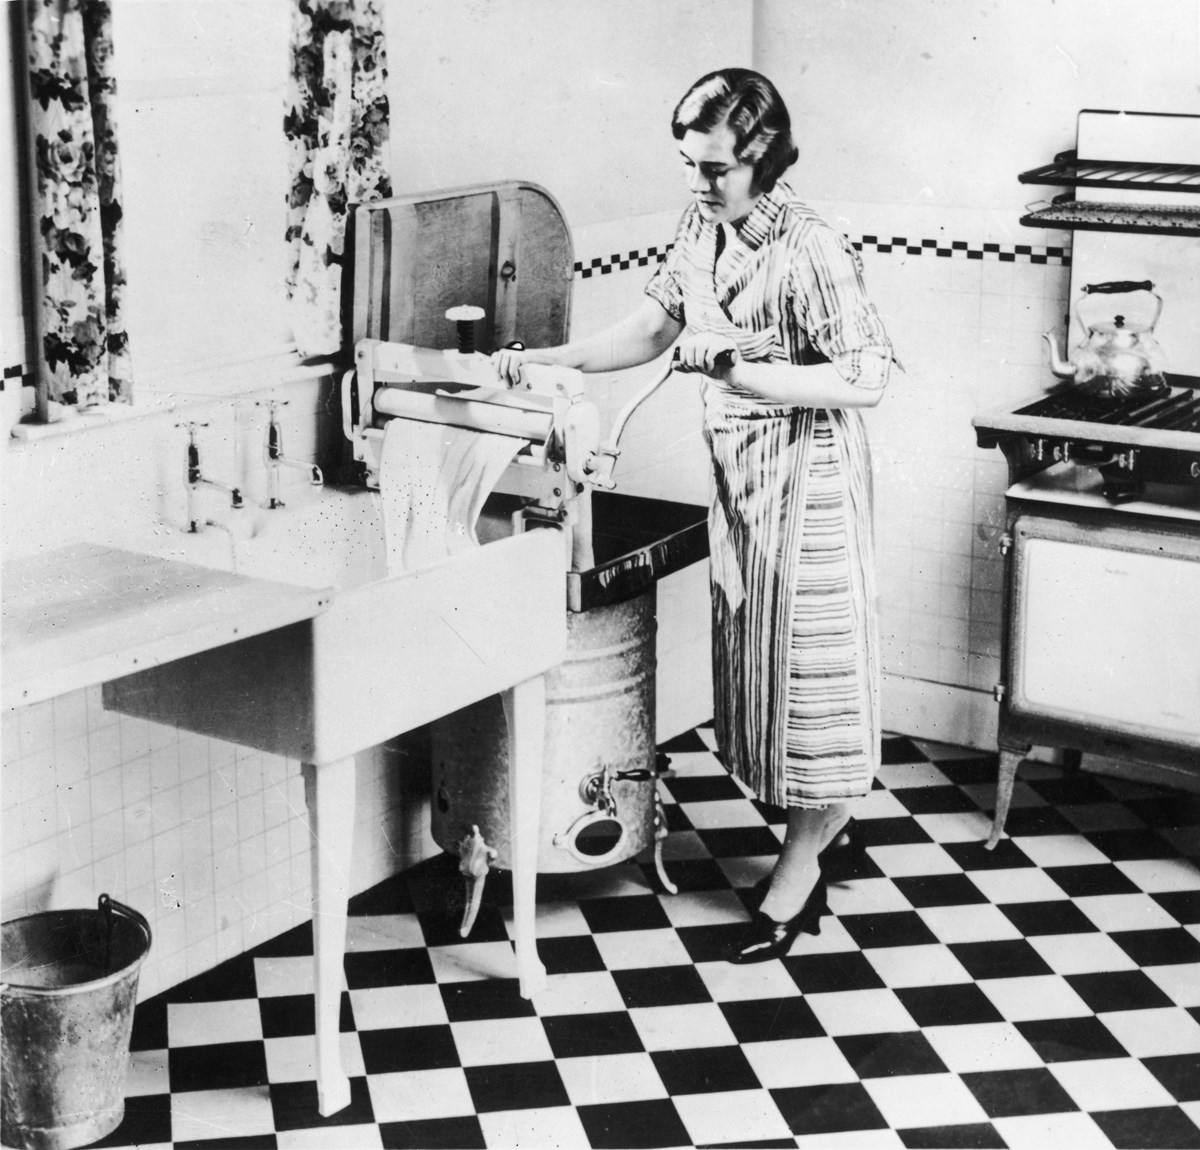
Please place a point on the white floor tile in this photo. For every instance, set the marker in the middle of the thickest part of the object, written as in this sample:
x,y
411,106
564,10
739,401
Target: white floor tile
x,y
1060,850
148,1073
1081,953
551,1126
956,826
979,922
241,1112
798,1062
365,1137
1039,996
1042,1131
383,932
730,982
866,896
582,992
1159,875
908,1100
982,1046
737,1116
932,965
703,908
860,1012
1181,982
1114,912
1148,1033
721,814
1111,1084
484,1043
413,1095
682,1027
1018,884
385,1007
906,859
629,949
201,1023
604,1078
473,961
883,1139
294,1058
289,975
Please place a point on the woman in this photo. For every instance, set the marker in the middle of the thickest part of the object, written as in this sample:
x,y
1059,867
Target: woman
x,y
767,301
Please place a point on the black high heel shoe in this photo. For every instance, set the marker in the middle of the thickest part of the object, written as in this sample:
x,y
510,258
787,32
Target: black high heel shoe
x,y
766,938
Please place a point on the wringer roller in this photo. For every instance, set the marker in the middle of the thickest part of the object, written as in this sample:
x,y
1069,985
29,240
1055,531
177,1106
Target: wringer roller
x,y
600,803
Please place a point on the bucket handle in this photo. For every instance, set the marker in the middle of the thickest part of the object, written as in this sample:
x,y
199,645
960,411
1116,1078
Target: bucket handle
x,y
107,906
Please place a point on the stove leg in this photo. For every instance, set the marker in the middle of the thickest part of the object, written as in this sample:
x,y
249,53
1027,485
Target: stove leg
x,y
525,710
329,795
1010,760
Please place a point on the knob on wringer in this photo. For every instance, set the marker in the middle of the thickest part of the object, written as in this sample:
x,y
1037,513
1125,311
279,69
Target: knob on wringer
x,y
465,317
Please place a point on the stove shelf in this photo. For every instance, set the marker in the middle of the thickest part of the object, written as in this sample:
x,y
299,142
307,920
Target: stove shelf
x,y
1068,213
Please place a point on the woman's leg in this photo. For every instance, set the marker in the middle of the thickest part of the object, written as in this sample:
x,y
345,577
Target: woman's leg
x,y
797,868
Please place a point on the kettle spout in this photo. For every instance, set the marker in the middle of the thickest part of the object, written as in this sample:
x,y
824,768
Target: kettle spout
x,y
1064,369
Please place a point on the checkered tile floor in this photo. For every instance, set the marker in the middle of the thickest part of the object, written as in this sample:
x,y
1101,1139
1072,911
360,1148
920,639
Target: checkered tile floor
x,y
1045,994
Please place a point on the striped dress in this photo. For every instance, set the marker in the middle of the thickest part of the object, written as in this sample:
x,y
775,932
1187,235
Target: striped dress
x,y
795,648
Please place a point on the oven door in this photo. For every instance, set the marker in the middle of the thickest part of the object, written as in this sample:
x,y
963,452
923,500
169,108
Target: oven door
x,y
1105,630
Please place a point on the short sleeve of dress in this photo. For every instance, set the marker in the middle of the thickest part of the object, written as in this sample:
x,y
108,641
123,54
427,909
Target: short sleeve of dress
x,y
666,285
831,305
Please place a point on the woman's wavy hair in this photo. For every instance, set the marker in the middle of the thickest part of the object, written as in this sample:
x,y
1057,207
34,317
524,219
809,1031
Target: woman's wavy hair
x,y
755,112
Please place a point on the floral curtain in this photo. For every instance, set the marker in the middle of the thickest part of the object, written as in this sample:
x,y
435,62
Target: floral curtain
x,y
84,356
336,124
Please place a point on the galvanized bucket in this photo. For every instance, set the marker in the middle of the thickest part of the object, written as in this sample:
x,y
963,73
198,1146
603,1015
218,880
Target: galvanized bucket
x,y
598,782
66,1015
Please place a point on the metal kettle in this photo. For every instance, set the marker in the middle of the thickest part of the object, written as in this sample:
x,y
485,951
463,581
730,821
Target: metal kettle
x,y
1119,357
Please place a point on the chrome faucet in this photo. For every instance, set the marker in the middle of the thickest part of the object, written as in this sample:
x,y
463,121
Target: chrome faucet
x,y
275,458
197,479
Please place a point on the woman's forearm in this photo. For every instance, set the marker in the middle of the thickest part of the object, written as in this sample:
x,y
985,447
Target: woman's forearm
x,y
814,385
639,338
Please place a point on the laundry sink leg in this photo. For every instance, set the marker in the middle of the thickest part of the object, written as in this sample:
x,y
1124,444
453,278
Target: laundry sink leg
x,y
329,793
525,710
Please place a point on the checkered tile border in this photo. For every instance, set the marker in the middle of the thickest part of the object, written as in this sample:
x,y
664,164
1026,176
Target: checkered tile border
x,y
947,249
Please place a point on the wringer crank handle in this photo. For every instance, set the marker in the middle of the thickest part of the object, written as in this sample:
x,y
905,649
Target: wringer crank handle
x,y
474,856
600,466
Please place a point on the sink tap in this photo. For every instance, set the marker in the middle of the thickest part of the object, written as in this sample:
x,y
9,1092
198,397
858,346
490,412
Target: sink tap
x,y
197,479
276,459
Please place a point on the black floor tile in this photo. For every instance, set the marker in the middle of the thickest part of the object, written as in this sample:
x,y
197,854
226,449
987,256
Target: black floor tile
x,y
1006,1093
710,943
703,788
1184,905
150,1025
1054,916
677,820
1037,821
634,1125
295,1107
1118,990
829,1109
1157,1128
1179,1073
391,896
294,943
771,1019
624,912
776,816
516,1086
591,1035
661,986
935,800
685,744
939,890
392,1049
968,771
845,970
405,966
569,954
891,831
974,855
955,1005
1003,958
1158,947
231,979
898,749
967,1136
1071,1039
1070,787
147,1121
1168,810
1131,843
888,928
737,842
475,1000
1091,879
461,1133
687,874
245,1142
888,1055
229,1065
285,1015
704,1070
441,925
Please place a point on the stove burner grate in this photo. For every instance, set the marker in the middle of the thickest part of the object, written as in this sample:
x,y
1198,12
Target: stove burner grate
x,y
1177,411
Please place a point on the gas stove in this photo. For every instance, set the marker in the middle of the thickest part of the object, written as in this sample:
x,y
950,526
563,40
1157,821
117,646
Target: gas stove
x,y
1131,443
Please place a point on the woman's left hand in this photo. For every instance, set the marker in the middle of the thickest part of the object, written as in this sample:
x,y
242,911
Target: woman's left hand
x,y
706,352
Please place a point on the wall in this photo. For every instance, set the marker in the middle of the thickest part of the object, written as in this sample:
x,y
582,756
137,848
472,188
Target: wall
x,y
914,121
208,839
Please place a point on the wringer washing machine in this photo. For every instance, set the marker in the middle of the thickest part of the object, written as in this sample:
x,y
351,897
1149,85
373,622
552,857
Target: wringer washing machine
x,y
504,251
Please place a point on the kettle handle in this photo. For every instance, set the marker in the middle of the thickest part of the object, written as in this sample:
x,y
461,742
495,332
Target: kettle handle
x,y
1115,287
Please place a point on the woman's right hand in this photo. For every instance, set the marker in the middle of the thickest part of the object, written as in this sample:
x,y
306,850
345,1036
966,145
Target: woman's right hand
x,y
509,363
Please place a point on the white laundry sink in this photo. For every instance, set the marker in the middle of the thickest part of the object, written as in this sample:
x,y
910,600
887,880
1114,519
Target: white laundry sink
x,y
381,655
